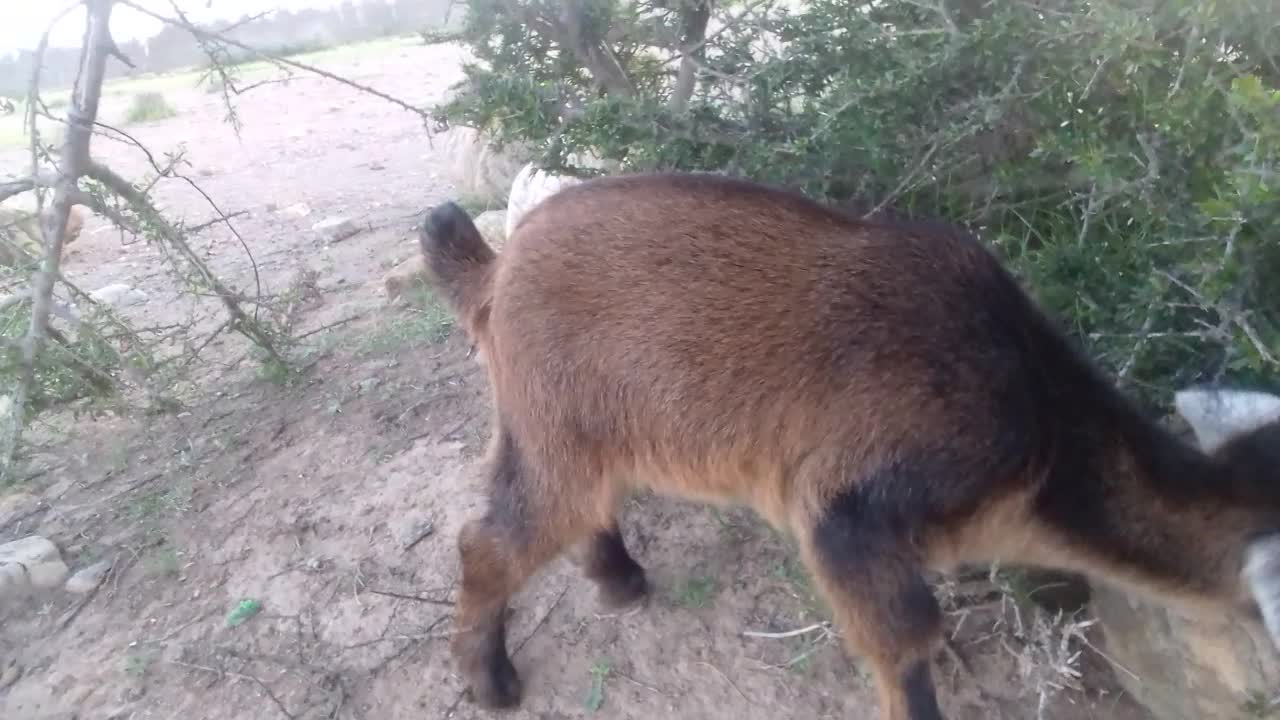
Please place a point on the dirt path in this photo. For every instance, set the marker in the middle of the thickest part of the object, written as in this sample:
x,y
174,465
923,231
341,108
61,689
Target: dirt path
x,y
332,499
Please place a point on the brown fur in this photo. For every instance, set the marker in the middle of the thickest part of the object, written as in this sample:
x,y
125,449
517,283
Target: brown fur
x,y
21,237
883,391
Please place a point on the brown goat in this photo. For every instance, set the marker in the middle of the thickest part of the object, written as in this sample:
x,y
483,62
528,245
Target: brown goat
x,y
885,392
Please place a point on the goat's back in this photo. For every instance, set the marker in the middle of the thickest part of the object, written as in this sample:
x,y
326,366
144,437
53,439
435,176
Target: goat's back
x,y
711,330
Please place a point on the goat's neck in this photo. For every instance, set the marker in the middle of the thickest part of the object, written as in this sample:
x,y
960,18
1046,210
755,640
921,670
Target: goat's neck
x,y
1139,507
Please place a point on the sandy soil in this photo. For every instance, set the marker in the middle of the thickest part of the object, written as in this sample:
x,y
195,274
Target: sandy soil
x,y
312,495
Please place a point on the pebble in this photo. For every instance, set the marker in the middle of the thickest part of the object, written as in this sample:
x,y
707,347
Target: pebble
x,y
86,579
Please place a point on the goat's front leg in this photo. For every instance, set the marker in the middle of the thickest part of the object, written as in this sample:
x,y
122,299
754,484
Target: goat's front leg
x,y
881,604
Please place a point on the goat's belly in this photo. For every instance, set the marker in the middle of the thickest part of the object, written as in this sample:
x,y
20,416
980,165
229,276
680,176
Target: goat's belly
x,y
720,482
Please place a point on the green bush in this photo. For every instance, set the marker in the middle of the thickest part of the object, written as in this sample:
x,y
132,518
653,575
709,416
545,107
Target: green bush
x,y
149,107
1122,155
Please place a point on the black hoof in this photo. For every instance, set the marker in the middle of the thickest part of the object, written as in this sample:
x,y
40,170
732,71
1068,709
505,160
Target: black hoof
x,y
499,687
625,594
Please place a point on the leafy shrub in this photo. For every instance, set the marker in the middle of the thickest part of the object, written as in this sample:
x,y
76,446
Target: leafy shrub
x,y
1122,155
149,107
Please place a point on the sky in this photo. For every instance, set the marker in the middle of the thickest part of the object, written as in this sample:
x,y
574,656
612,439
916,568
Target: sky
x,y
25,20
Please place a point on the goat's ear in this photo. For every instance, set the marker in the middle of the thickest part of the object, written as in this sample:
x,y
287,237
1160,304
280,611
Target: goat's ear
x,y
1218,415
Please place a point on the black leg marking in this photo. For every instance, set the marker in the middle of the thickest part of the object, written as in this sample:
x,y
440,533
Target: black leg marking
x,y
621,579
921,699
504,682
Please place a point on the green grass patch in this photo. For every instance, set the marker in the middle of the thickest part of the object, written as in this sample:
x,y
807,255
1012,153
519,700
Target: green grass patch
x,y
695,592
149,107
426,322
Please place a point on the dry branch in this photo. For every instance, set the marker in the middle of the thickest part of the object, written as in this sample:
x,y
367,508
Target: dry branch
x,y
241,322
75,161
694,17
202,34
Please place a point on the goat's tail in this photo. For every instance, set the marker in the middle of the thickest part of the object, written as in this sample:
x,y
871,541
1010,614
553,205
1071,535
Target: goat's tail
x,y
459,264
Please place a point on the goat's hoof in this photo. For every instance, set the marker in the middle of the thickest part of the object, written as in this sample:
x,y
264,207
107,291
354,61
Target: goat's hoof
x,y
499,687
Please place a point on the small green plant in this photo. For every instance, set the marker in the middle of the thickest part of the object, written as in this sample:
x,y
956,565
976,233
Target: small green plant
x,y
475,205
790,571
162,563
149,107
1258,705
595,692
243,610
1017,585
154,505
802,663
426,322
695,592
136,664
276,372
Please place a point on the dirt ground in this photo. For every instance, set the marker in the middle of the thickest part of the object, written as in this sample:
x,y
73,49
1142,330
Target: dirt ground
x,y
333,498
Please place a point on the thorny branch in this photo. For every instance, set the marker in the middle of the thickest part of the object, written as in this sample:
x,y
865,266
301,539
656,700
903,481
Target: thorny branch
x,y
142,205
73,163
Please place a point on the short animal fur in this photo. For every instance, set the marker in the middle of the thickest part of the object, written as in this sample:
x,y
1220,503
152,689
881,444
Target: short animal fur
x,y
885,392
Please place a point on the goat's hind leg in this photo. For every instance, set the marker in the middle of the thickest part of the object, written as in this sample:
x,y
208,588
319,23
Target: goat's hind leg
x,y
621,580
881,604
525,526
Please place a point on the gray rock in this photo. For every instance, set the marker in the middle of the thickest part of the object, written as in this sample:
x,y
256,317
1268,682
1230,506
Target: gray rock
x,y
10,675
119,295
418,532
336,229
30,563
1183,667
86,579
478,168
404,282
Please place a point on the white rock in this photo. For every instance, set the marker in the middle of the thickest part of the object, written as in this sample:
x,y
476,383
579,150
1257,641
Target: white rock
x,y
86,579
119,295
532,186
30,563
481,171
298,210
336,229
493,227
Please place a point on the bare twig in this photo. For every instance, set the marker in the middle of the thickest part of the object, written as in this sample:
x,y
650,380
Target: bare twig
x,y
169,170
239,676
33,97
240,320
414,598
329,326
210,223
693,21
202,34
728,25
788,634
724,677
10,188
